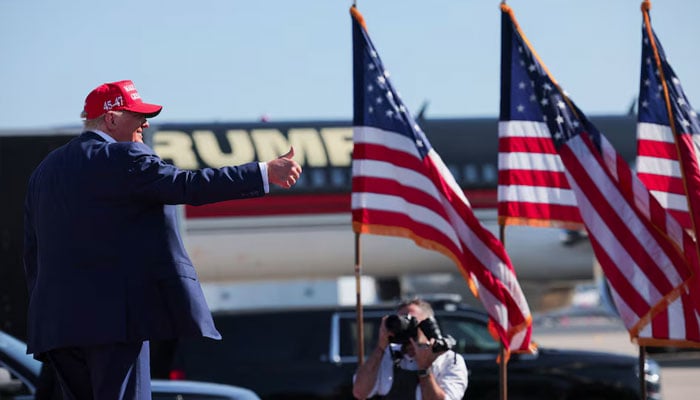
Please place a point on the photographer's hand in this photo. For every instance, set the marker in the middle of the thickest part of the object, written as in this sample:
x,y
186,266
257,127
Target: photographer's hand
x,y
423,349
384,334
366,375
424,357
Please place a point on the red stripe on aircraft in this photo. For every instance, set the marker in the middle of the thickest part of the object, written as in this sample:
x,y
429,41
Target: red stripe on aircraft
x,y
305,204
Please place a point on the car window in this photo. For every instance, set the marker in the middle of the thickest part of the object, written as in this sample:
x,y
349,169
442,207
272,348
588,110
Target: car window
x,y
16,350
287,338
12,385
348,335
472,336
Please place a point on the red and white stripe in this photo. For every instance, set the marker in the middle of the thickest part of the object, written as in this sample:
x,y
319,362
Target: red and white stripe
x,y
532,185
677,325
398,193
662,166
658,168
688,150
646,255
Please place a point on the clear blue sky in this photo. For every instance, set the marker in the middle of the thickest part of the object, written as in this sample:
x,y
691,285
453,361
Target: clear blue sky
x,y
236,60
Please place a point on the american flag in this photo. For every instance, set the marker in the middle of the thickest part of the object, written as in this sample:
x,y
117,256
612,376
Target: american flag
x,y
647,257
667,163
401,187
657,157
532,185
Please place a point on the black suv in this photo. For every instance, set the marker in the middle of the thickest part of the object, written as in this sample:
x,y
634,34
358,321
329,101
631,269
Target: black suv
x,y
19,377
311,354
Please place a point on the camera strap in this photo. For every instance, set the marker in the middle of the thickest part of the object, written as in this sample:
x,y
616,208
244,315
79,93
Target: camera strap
x,y
396,355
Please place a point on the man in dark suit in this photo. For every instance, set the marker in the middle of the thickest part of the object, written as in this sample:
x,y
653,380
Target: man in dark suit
x,y
105,264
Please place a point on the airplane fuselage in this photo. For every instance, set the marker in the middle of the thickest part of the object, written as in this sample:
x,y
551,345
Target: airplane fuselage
x,y
306,232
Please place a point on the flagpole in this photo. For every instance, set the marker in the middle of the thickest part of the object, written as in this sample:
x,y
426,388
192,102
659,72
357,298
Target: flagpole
x,y
358,301
646,5
642,372
503,374
503,365
359,319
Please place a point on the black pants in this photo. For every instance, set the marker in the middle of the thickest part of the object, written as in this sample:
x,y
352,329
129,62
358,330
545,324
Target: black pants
x,y
117,371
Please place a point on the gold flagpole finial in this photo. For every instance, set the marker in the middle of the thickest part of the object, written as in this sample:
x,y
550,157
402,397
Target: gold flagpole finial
x,y
646,5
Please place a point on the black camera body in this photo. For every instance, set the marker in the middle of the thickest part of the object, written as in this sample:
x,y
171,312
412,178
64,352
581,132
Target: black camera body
x,y
405,327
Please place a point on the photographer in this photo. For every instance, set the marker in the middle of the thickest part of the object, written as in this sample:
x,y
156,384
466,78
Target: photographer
x,y
412,359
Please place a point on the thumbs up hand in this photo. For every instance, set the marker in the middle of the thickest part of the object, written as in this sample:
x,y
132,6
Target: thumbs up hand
x,y
284,171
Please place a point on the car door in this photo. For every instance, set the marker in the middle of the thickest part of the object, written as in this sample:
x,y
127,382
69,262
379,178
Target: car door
x,y
526,376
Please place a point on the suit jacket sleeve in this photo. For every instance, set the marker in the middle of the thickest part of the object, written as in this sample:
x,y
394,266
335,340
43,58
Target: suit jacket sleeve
x,y
152,179
30,249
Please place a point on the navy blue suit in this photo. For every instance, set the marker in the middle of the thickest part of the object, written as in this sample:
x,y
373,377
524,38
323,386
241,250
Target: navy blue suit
x,y
103,255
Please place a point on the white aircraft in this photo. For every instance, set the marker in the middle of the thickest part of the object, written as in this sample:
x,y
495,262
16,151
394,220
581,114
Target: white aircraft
x,y
306,232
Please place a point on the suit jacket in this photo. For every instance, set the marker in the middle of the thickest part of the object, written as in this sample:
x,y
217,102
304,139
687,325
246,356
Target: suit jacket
x,y
103,255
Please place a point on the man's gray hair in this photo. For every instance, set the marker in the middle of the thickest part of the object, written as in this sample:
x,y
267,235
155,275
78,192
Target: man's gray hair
x,y
93,123
417,301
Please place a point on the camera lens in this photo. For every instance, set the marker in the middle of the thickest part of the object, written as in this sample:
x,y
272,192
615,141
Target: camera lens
x,y
396,323
402,327
431,330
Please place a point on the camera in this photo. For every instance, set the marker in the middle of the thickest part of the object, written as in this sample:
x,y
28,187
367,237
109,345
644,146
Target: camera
x,y
402,328
405,327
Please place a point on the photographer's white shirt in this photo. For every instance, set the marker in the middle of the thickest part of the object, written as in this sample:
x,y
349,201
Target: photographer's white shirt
x,y
449,370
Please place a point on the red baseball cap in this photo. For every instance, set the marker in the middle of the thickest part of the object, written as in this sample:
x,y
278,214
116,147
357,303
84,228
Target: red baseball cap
x,y
116,96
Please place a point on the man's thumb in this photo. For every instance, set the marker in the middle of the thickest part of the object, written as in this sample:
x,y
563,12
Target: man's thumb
x,y
290,153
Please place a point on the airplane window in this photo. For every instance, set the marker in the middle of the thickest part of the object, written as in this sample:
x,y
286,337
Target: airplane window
x,y
301,183
340,177
471,174
455,172
318,178
489,173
